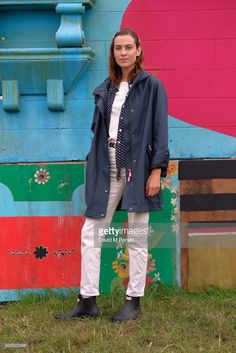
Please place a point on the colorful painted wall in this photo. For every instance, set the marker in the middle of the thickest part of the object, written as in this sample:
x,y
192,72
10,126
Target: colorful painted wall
x,y
45,125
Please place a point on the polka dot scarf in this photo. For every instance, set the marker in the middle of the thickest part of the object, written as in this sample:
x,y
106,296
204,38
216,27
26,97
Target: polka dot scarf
x,y
120,147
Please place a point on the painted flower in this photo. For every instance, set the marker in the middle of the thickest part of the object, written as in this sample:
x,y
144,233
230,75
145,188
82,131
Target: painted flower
x,y
42,176
175,228
121,264
149,280
156,277
174,190
151,264
40,252
174,218
125,282
120,253
166,183
172,168
174,202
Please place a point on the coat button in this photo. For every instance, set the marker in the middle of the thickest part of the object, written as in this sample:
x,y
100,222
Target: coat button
x,y
134,160
131,110
106,191
130,208
102,214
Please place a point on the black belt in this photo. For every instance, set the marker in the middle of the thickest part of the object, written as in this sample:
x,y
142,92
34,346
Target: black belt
x,y
112,144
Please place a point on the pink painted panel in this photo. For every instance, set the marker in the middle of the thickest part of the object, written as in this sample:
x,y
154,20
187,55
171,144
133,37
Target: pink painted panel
x,y
173,54
222,111
155,5
204,83
183,24
192,45
225,53
177,54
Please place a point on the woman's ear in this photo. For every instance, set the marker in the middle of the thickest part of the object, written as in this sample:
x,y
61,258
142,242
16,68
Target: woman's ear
x,y
139,51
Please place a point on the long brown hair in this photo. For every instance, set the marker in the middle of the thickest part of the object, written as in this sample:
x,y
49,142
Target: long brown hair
x,y
115,73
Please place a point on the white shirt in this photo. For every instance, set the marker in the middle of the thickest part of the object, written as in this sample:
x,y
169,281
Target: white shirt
x,y
116,109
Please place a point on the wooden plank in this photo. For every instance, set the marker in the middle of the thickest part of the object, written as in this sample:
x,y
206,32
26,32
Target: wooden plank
x,y
184,256
207,186
208,216
208,202
211,259
210,169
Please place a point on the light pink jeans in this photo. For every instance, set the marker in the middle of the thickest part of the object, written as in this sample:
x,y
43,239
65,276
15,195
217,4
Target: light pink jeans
x,y
91,242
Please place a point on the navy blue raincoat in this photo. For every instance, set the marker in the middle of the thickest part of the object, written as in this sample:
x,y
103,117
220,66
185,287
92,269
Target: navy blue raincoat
x,y
146,147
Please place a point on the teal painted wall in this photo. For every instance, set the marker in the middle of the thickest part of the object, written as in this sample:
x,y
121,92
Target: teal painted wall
x,y
35,133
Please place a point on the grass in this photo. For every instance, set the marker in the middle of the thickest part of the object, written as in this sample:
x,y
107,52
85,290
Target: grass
x,y
173,320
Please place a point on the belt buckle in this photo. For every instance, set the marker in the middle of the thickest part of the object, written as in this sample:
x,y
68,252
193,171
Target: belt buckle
x,y
112,144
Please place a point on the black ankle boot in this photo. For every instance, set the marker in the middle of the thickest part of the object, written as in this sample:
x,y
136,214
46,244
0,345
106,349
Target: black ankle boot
x,y
84,308
130,311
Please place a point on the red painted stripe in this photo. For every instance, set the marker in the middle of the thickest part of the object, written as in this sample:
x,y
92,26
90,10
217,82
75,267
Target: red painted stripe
x,y
155,5
211,83
190,54
179,54
200,108
225,53
183,24
24,234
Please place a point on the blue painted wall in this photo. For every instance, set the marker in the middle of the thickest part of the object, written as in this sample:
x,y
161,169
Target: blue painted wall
x,y
35,133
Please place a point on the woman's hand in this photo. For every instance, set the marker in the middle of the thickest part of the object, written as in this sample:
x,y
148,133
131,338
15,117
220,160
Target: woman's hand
x,y
153,183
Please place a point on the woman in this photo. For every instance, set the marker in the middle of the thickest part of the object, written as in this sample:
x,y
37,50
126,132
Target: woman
x,y
129,154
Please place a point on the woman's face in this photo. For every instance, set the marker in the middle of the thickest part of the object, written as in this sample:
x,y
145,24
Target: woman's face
x,y
125,52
